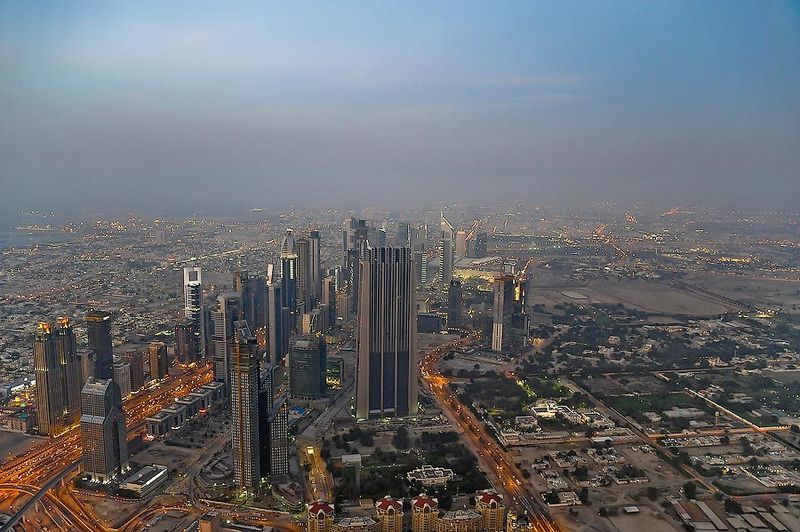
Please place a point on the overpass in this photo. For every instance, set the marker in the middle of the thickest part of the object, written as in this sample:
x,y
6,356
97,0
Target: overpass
x,y
37,496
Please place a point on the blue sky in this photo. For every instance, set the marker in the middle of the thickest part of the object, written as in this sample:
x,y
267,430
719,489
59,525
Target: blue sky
x,y
173,104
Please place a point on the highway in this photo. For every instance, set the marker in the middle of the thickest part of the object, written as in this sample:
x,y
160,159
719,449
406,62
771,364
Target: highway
x,y
38,466
520,496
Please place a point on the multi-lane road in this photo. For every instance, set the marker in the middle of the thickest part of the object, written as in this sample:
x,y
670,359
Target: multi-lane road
x,y
520,496
48,459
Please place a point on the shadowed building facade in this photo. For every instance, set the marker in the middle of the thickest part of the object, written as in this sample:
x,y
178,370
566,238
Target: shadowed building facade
x,y
386,377
105,442
98,329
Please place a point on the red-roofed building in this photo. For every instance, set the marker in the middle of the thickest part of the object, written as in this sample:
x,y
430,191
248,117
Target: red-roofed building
x,y
390,514
424,513
490,505
320,517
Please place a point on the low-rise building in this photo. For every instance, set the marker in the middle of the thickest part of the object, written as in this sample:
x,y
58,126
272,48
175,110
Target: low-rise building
x,y
428,475
146,480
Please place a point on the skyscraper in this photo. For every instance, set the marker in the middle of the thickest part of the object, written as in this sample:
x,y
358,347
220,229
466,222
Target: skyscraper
x,y
159,360
136,361
289,272
105,443
228,312
58,376
461,244
386,379
315,274
503,308
277,320
446,251
244,407
98,325
193,306
277,425
71,381
303,249
328,298
420,263
354,242
49,389
308,362
186,348
122,376
454,304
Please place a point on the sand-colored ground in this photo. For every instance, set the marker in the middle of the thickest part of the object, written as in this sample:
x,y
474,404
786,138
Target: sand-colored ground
x,y
650,296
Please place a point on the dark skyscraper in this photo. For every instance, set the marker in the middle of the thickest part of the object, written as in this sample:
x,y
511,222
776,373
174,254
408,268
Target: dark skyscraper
x,y
244,388
159,360
314,272
105,443
274,435
454,304
71,381
193,307
307,366
186,348
98,325
303,249
386,379
136,361
289,274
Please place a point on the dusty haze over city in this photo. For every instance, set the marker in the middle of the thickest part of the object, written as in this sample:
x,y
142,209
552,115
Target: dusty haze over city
x,y
186,106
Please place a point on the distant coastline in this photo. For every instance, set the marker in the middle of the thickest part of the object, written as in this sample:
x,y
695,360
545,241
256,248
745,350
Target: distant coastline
x,y
12,238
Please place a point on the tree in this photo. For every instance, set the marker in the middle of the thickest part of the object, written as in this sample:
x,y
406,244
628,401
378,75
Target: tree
x,y
690,489
584,495
401,439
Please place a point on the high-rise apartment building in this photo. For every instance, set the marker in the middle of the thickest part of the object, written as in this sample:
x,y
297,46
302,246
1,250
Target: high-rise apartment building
x,y
105,443
308,362
424,513
244,386
320,516
98,329
390,514
159,360
386,377
193,307
490,505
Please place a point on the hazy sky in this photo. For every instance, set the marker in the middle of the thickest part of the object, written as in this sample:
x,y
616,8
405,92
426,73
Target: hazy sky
x,y
194,105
